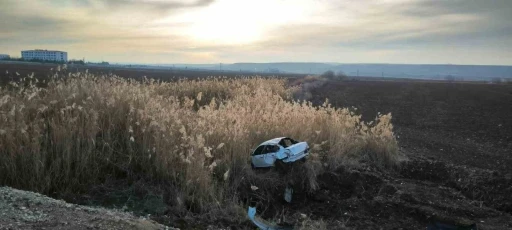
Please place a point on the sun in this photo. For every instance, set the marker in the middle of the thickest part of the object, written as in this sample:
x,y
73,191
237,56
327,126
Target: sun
x,y
238,21
227,23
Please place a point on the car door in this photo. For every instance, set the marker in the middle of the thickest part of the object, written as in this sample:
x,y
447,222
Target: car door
x,y
270,154
258,157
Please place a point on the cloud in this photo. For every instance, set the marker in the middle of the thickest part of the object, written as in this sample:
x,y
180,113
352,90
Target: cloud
x,y
262,31
395,25
159,4
88,27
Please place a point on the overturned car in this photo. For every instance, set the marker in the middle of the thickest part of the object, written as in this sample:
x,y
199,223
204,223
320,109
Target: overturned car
x,y
283,149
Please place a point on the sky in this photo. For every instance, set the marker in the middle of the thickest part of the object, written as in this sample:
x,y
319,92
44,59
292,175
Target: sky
x,y
228,31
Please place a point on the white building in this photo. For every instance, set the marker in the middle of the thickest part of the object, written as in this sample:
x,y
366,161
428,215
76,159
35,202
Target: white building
x,y
4,56
45,55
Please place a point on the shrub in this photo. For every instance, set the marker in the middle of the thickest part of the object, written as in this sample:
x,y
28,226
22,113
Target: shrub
x,y
329,74
450,78
308,224
496,80
83,130
303,86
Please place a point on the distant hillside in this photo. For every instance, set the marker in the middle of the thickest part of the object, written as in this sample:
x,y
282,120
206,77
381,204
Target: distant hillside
x,y
416,71
466,72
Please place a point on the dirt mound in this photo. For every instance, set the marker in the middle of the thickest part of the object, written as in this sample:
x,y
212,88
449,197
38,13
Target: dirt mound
x,y
486,187
28,210
420,193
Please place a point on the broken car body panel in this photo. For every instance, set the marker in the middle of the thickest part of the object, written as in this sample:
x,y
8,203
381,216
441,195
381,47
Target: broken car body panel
x,y
282,148
261,223
298,151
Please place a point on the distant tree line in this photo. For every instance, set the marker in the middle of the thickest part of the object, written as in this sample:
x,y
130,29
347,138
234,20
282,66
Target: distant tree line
x,y
72,61
33,60
497,80
494,80
76,62
451,78
329,74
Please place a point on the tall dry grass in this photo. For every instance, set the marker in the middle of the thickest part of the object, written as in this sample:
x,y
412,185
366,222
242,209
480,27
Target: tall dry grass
x,y
81,130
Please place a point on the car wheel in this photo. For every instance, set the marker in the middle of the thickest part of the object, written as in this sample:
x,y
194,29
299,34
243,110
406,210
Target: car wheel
x,y
252,166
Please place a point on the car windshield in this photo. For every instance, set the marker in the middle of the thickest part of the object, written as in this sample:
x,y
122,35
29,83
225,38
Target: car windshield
x,y
259,150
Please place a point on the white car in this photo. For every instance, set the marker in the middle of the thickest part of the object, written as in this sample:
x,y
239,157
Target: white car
x,y
283,148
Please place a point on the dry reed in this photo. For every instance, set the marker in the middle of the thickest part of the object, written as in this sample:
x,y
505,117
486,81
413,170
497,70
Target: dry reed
x,y
80,130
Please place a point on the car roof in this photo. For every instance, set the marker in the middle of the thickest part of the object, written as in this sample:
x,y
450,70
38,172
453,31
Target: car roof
x,y
274,141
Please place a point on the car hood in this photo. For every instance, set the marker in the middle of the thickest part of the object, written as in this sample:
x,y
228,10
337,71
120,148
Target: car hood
x,y
298,148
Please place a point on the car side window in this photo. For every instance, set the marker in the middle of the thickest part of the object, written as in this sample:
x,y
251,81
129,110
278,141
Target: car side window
x,y
259,150
271,149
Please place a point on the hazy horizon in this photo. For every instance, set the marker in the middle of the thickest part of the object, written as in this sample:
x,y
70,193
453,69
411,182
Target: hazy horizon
x,y
297,62
457,32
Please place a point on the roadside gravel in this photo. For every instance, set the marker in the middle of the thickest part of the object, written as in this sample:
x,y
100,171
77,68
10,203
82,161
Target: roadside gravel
x,y
28,210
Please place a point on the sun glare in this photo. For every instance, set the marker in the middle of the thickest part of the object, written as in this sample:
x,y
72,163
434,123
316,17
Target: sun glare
x,y
239,22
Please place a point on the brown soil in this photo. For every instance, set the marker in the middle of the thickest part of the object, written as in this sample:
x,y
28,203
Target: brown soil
x,y
461,123
13,71
457,138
